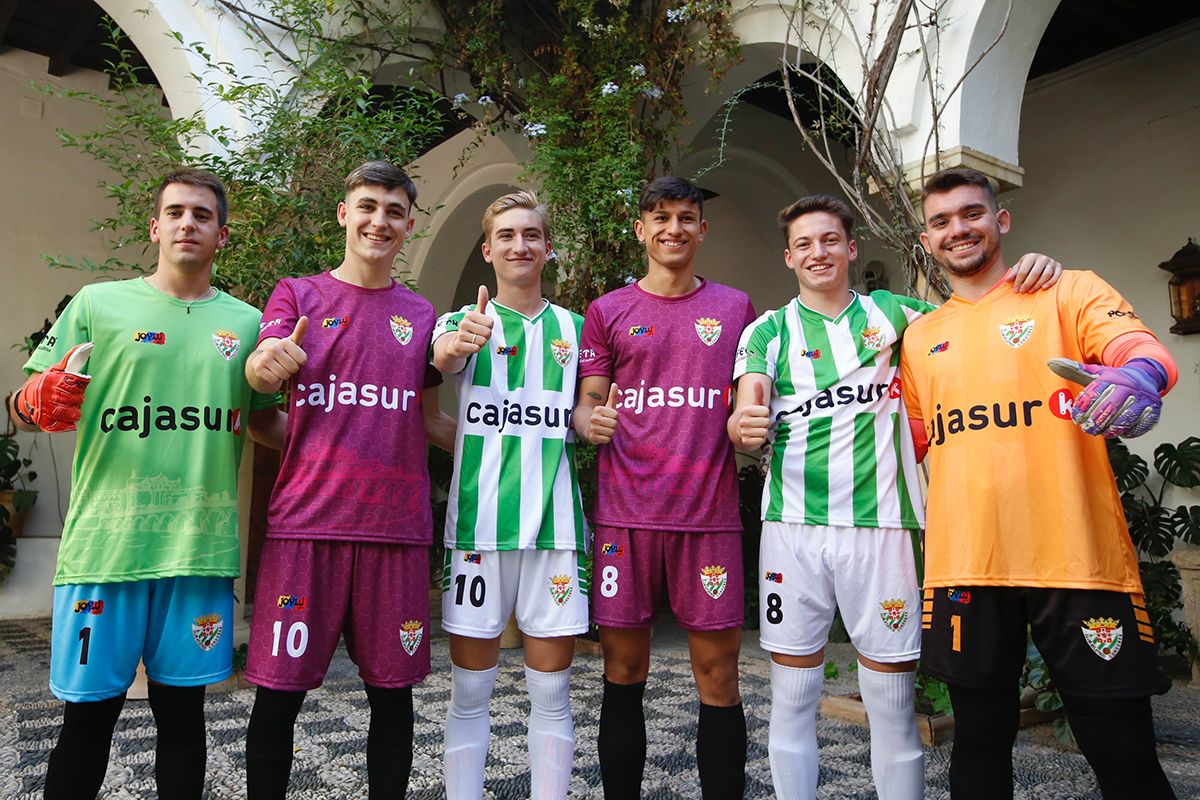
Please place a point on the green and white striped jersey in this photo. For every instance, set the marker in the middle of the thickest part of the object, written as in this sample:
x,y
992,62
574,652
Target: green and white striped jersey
x,y
514,484
841,450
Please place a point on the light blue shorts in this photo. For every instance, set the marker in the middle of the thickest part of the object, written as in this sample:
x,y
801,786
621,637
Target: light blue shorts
x,y
181,627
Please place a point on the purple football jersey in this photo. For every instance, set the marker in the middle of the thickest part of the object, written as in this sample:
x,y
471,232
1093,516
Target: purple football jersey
x,y
670,464
354,458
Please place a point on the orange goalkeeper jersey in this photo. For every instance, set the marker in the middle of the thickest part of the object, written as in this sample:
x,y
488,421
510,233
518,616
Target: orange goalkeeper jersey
x,y
1018,494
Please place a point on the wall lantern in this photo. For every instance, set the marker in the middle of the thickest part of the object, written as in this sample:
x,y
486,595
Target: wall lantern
x,y
1184,288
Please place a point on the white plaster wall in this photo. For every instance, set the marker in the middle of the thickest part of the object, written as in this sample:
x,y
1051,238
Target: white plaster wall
x,y
1111,151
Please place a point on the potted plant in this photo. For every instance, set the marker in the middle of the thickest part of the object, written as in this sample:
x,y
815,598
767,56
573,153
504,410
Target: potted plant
x,y
16,498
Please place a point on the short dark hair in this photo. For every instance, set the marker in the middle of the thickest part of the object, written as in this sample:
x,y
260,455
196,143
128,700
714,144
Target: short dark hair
x,y
949,179
670,187
199,178
381,173
813,204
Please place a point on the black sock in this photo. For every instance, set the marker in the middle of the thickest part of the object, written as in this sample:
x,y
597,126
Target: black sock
x,y
985,727
721,751
181,750
389,742
80,759
622,742
270,740
1116,736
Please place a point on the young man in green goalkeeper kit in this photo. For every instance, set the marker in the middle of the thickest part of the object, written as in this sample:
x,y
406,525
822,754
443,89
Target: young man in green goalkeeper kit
x,y
150,546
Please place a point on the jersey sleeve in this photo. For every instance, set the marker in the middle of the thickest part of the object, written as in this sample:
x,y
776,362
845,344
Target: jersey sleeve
x,y
446,323
909,394
755,346
913,308
281,313
595,352
72,327
260,401
1100,314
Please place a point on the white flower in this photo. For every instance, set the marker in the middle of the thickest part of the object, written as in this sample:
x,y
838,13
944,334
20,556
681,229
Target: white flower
x,y
535,129
609,88
682,14
637,70
461,98
485,100
653,92
629,279
553,254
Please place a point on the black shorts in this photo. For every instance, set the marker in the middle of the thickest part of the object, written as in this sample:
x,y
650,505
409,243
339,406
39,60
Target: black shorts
x,y
1096,643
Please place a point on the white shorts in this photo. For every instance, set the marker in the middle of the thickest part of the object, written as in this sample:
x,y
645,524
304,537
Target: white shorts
x,y
546,588
808,571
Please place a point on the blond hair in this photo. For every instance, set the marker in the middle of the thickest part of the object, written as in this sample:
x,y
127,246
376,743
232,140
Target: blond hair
x,y
519,199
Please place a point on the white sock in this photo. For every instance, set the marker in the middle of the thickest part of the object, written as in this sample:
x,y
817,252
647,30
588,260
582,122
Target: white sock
x,y
468,728
551,733
897,759
792,742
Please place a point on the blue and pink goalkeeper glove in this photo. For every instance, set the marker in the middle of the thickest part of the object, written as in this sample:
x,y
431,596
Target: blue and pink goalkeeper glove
x,y
1116,401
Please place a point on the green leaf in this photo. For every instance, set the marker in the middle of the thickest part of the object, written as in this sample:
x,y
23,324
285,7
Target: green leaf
x,y
1130,471
1062,730
1179,465
831,671
1187,523
1152,531
23,500
1049,701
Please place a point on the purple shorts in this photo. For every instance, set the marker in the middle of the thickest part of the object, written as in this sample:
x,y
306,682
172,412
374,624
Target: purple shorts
x,y
310,592
702,572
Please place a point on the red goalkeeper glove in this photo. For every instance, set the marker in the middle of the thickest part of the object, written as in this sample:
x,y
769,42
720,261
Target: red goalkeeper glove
x,y
52,400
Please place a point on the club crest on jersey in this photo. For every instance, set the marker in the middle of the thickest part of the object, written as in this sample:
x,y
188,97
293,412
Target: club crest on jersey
x,y
709,330
561,350
610,549
1104,635
401,329
714,579
1015,331
410,635
774,577
206,630
873,339
893,613
227,344
939,348
560,588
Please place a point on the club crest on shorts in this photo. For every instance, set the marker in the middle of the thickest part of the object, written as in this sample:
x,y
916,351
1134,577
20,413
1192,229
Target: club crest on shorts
x,y
561,350
227,344
1104,635
714,579
410,635
206,630
894,614
1015,331
873,339
560,588
401,329
709,330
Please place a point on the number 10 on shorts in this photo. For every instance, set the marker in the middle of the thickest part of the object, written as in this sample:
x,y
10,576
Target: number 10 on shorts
x,y
296,641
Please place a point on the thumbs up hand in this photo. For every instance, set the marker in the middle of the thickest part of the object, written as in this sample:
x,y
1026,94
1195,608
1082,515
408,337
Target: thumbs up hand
x,y
754,420
52,400
474,330
603,422
277,360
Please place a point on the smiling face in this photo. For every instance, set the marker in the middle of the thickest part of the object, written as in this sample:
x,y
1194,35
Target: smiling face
x,y
186,228
672,232
377,222
963,230
517,247
819,251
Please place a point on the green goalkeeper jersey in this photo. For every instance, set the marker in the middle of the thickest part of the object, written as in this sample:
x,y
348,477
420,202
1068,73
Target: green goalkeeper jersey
x,y
514,484
159,442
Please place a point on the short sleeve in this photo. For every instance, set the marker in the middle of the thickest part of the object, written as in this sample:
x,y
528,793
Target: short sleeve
x,y
72,327
595,352
755,347
908,386
1100,314
259,401
281,313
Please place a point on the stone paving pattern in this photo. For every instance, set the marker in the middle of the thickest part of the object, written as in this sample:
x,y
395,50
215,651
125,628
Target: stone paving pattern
x,y
331,733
